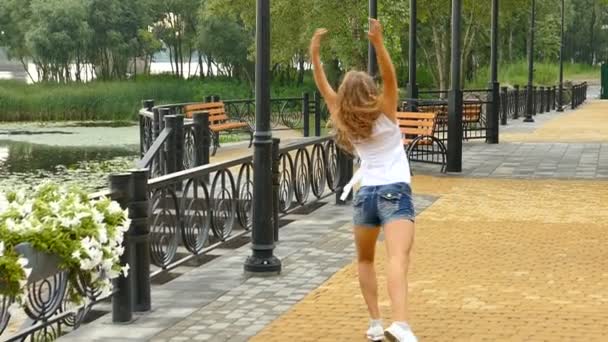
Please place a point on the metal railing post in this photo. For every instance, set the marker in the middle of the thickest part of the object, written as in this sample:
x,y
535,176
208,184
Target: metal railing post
x,y
516,102
345,173
493,113
505,105
122,301
276,182
573,96
148,105
170,144
156,123
179,142
202,139
306,114
535,100
542,100
140,235
317,100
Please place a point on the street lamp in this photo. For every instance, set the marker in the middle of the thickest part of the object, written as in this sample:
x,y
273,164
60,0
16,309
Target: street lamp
x,y
372,64
262,260
455,94
493,115
560,96
412,87
530,102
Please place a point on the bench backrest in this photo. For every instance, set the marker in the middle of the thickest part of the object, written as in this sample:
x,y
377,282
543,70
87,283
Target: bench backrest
x,y
471,112
217,111
414,124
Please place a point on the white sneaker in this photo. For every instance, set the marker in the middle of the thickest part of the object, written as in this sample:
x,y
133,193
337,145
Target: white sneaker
x,y
375,333
396,333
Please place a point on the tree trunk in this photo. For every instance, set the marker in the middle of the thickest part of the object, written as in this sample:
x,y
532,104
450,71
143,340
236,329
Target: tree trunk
x,y
178,67
301,69
466,49
429,61
27,70
209,66
440,52
201,73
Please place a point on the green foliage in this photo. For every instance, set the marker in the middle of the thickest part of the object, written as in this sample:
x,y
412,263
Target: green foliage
x,y
114,35
546,74
117,100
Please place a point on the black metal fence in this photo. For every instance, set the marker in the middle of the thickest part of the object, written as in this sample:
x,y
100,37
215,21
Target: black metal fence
x,y
578,94
175,218
476,104
163,127
197,210
513,102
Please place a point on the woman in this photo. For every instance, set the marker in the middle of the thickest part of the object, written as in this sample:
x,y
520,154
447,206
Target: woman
x,y
366,124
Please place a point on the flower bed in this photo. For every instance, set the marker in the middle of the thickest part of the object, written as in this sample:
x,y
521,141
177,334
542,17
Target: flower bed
x,y
53,229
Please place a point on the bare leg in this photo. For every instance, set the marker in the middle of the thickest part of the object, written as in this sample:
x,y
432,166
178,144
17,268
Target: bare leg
x,y
365,240
399,239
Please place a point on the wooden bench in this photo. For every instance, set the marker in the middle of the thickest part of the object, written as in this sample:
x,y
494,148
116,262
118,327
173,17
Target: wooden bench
x,y
471,112
219,121
418,130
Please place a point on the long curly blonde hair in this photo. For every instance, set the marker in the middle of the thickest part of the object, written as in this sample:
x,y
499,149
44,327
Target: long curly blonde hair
x,y
358,107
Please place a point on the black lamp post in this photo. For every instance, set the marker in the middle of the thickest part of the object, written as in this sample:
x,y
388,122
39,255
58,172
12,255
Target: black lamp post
x,y
262,259
530,103
412,87
560,96
492,127
372,63
455,95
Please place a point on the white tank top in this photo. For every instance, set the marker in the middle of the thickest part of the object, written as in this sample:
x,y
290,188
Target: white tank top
x,y
383,159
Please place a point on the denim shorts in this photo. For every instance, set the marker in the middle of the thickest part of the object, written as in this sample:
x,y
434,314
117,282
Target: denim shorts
x,y
378,205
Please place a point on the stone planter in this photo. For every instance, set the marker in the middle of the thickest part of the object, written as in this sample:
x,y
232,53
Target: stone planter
x,y
43,265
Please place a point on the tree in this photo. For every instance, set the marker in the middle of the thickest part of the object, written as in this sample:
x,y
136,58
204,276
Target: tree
x,y
54,44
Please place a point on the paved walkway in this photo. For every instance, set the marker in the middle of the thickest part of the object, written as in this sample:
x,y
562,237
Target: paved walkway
x,y
587,124
494,260
511,250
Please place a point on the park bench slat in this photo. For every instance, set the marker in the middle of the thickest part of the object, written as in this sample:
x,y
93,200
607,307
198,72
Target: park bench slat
x,y
416,123
228,126
203,106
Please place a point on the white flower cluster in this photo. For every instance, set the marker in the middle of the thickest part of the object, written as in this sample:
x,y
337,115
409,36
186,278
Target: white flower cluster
x,y
99,224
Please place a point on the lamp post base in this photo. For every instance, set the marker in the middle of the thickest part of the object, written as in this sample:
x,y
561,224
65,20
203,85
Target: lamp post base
x,y
257,265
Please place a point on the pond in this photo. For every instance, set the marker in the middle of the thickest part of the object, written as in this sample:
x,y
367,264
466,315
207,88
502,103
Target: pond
x,y
70,153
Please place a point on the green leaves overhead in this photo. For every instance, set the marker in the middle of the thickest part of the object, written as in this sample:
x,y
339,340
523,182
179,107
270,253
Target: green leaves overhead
x,y
219,35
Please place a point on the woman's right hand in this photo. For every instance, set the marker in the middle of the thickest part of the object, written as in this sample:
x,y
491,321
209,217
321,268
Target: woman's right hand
x,y
315,43
375,31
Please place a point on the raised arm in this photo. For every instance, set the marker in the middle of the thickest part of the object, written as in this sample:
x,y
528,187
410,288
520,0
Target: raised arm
x,y
390,92
319,74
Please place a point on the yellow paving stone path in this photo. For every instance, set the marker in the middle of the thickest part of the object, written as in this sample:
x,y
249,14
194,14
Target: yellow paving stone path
x,y
589,123
494,260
